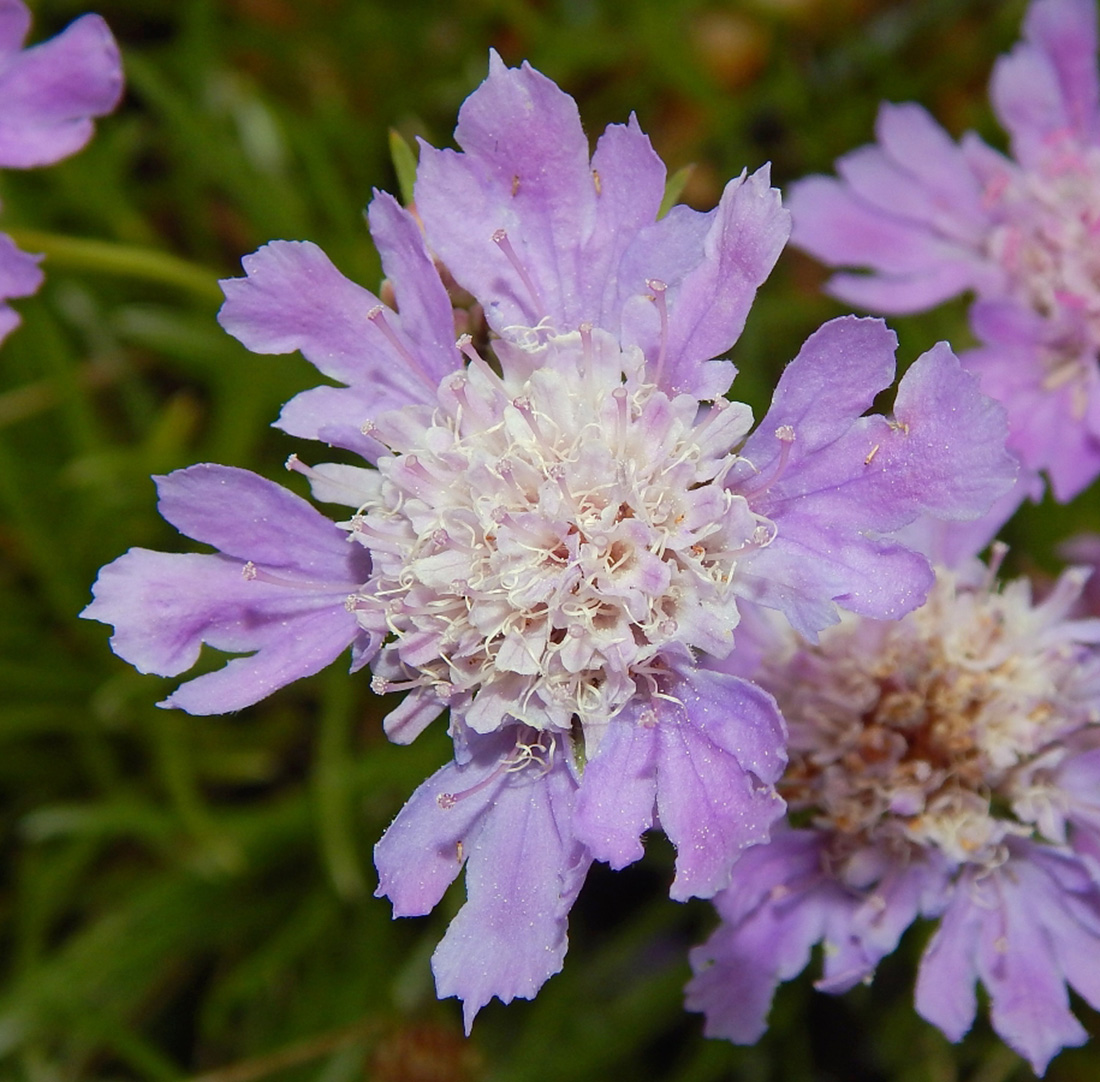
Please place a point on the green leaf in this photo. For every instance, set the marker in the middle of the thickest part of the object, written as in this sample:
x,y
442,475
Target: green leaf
x,y
404,164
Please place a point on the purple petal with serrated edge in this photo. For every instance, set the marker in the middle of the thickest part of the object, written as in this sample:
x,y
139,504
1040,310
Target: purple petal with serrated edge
x,y
525,170
1029,1004
426,845
707,309
815,562
711,805
618,789
838,372
337,415
426,315
164,606
783,906
631,186
899,295
911,138
1047,429
948,443
945,993
294,298
523,872
51,92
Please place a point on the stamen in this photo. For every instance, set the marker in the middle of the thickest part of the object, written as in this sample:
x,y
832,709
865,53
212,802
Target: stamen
x,y
251,573
785,435
659,289
586,347
377,316
465,346
500,239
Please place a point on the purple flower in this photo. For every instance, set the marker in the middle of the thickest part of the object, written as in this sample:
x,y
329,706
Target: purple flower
x,y
49,94
944,766
561,541
931,219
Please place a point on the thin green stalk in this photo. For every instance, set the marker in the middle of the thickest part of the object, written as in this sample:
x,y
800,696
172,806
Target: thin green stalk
x,y
120,260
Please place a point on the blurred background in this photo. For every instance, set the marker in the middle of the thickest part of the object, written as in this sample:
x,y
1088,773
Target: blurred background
x,y
185,897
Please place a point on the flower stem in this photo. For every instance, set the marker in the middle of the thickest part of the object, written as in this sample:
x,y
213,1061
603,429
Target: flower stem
x,y
124,260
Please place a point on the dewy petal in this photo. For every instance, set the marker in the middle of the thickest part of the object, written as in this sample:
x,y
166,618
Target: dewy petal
x,y
426,316
834,379
848,478
707,310
50,93
427,844
20,276
631,186
525,170
250,517
718,756
523,872
293,298
618,789
165,606
335,415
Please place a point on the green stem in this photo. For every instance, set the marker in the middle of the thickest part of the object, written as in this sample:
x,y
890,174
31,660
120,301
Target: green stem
x,y
124,260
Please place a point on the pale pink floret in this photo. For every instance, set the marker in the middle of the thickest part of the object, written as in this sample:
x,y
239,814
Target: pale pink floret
x,y
946,767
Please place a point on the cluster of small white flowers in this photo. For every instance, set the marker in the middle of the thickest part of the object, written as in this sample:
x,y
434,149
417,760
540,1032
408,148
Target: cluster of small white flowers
x,y
550,539
939,730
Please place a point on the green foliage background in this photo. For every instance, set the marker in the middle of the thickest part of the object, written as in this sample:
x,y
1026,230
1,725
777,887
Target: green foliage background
x,y
193,896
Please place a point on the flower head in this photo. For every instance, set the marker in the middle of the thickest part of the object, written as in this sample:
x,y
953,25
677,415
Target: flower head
x,y
931,219
559,534
49,94
936,766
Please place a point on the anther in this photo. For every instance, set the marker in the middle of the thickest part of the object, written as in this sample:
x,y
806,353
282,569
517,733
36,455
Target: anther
x,y
500,239
465,346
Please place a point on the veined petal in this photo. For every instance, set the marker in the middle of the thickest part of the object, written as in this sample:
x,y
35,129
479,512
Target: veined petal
x,y
294,298
250,517
618,790
523,872
712,806
164,606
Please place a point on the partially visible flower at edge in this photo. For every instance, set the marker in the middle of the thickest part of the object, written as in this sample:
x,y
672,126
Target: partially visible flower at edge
x,y
932,219
49,94
560,540
943,766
